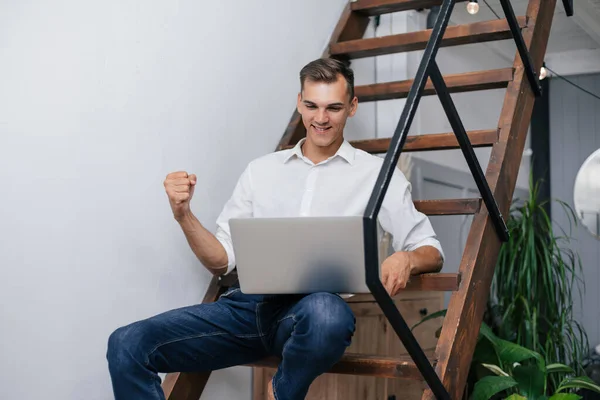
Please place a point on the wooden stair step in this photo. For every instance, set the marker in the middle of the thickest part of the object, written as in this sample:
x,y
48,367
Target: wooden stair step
x,y
448,206
456,83
378,7
401,367
477,32
430,142
434,282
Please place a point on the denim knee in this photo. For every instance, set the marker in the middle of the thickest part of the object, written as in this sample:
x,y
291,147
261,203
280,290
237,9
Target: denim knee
x,y
123,347
331,322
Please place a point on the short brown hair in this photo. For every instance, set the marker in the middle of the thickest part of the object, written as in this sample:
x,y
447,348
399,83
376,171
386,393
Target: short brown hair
x,y
327,70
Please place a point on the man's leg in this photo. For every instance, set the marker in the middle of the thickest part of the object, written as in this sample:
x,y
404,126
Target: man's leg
x,y
311,336
203,337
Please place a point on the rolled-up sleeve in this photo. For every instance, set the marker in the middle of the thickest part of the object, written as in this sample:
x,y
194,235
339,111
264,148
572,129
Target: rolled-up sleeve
x,y
238,206
410,228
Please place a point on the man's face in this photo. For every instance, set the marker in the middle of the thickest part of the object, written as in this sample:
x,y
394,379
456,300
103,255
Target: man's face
x,y
325,107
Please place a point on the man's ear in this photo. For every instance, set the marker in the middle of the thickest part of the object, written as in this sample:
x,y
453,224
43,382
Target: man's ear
x,y
299,103
353,106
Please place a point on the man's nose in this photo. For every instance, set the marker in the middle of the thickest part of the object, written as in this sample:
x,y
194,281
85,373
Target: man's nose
x,y
322,117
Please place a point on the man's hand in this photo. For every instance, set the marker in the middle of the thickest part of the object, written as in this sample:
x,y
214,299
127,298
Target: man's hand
x,y
397,268
395,272
180,189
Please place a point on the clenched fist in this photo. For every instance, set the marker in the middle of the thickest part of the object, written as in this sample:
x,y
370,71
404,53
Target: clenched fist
x,y
180,189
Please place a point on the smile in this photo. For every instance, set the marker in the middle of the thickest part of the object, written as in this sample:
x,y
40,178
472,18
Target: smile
x,y
321,130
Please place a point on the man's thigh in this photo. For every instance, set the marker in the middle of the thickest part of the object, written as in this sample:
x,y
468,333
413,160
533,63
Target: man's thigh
x,y
201,337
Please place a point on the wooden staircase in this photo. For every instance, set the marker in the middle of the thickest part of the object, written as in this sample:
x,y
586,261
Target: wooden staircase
x,y
470,287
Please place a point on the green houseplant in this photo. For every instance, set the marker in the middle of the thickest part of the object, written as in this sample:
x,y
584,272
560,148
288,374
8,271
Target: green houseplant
x,y
531,300
520,373
536,277
505,370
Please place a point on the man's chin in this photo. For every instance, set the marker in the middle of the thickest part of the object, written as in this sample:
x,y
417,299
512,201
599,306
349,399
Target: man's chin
x,y
321,142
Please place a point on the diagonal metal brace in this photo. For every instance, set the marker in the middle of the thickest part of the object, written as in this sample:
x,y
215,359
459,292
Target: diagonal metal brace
x,y
468,152
568,4
522,47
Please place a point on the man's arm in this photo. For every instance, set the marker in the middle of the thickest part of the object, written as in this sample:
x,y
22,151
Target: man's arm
x,y
397,269
211,253
204,244
417,248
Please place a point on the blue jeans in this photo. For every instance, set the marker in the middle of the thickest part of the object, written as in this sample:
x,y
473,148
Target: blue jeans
x,y
309,332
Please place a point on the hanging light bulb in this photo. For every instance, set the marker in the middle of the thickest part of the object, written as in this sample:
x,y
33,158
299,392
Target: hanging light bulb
x,y
472,7
543,73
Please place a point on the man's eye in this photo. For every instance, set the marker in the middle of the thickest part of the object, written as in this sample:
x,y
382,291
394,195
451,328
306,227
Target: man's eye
x,y
335,109
311,107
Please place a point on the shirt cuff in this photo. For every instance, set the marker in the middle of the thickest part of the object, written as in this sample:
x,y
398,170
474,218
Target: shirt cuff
x,y
227,245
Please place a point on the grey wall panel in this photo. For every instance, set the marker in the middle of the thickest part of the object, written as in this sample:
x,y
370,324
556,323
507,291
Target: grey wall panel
x,y
574,135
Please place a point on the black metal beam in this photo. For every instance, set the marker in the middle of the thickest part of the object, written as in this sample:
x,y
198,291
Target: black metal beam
x,y
468,152
373,279
540,144
568,4
522,47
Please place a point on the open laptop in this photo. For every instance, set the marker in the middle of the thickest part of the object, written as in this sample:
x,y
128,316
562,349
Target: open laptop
x,y
299,255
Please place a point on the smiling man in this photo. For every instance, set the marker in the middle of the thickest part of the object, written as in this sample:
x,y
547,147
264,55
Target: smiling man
x,y
323,175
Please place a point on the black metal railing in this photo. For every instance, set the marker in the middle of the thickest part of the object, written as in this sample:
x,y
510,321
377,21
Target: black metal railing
x,y
568,4
521,47
468,152
429,68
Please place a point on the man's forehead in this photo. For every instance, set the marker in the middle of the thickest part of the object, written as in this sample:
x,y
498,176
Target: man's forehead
x,y
323,94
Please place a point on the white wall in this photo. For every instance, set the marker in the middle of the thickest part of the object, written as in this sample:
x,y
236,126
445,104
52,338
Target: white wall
x,y
98,102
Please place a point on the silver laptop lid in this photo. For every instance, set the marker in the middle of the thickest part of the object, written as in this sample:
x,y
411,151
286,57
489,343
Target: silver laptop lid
x,y
299,255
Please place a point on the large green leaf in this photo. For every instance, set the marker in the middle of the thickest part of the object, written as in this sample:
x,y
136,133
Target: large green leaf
x,y
510,353
580,382
486,332
491,385
565,396
556,367
516,397
485,352
531,380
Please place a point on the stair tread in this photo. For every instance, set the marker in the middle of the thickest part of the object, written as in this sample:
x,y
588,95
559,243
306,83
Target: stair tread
x,y
438,282
432,282
448,206
378,7
429,142
364,364
455,35
456,83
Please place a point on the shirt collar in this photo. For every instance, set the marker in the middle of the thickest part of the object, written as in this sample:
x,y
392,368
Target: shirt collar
x,y
346,151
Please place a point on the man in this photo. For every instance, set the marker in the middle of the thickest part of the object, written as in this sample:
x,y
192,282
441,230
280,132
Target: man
x,y
322,175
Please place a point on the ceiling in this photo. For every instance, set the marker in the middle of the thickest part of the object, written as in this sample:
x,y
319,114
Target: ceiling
x,y
574,46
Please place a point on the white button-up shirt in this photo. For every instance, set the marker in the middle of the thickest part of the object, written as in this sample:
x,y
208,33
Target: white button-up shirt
x,y
287,184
